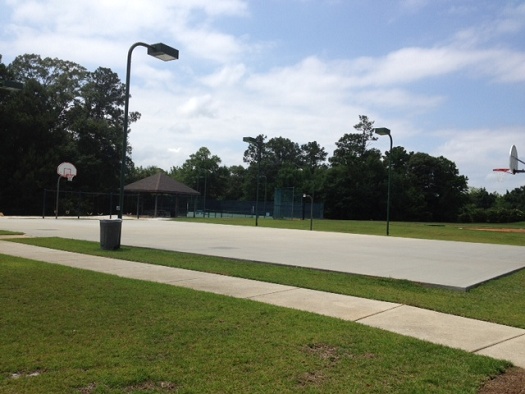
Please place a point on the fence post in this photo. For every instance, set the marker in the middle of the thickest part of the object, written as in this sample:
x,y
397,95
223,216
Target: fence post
x,y
44,206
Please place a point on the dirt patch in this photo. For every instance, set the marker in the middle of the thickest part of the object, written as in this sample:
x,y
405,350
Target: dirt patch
x,y
511,382
323,351
13,236
502,230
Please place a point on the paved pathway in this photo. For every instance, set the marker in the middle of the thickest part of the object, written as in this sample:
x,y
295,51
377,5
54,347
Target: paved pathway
x,y
475,336
457,265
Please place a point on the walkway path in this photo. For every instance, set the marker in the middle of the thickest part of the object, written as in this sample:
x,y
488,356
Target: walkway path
x,y
474,336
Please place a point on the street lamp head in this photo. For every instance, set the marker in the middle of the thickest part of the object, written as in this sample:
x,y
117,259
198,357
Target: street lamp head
x,y
163,52
250,140
382,131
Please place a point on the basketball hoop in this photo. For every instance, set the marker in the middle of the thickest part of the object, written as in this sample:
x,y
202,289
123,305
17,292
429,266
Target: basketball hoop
x,y
502,170
500,174
64,170
67,170
513,163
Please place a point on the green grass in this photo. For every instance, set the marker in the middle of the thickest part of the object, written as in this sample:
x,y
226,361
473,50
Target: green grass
x,y
4,232
64,330
462,232
499,301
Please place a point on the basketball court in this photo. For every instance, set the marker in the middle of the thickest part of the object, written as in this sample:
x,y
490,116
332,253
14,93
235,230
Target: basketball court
x,y
456,265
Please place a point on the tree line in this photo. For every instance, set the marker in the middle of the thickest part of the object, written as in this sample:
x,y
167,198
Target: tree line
x,y
67,113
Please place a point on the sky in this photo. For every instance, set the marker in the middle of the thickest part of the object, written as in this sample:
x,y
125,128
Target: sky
x,y
447,77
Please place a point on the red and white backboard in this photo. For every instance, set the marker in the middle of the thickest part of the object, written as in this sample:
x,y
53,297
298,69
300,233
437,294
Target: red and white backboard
x,y
513,159
67,170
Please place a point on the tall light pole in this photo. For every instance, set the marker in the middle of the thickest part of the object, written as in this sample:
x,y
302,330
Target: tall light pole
x,y
164,53
254,141
311,209
265,187
385,131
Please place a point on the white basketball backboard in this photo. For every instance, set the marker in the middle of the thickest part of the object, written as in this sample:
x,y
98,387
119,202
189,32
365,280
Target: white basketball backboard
x,y
513,159
67,170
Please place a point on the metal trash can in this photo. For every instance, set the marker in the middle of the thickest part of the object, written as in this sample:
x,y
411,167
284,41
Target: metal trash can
x,y
110,234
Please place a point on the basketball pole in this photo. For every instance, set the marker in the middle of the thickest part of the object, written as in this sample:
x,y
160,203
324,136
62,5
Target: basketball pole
x,y
58,190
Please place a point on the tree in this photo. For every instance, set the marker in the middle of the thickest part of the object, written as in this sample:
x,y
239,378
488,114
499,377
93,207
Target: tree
x,y
281,151
200,172
481,198
406,202
313,155
95,125
251,154
281,164
354,145
357,190
64,113
354,184
140,172
437,183
60,79
29,148
233,179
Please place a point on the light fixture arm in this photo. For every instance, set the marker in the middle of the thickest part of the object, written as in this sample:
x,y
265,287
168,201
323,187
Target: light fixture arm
x,y
162,52
125,133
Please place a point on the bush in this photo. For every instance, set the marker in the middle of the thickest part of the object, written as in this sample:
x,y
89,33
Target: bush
x,y
491,215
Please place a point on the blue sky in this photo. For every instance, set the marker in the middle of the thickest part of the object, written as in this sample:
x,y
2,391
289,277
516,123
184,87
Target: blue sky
x,y
446,76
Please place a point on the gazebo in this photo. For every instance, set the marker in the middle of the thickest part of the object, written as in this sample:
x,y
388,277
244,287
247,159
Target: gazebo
x,y
159,184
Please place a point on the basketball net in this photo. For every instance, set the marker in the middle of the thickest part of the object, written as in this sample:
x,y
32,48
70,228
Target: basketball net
x,y
500,174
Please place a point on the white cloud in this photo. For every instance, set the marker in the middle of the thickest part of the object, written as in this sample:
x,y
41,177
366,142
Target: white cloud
x,y
414,5
399,98
73,30
227,76
409,65
511,21
209,44
303,84
478,152
220,90
198,106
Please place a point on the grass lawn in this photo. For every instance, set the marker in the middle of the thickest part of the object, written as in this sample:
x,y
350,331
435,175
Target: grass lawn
x,y
463,232
500,301
3,232
64,330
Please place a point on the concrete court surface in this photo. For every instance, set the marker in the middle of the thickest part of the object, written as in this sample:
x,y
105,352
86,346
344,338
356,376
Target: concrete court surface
x,y
456,265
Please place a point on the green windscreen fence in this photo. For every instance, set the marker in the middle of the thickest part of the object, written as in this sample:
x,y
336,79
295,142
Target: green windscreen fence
x,y
289,203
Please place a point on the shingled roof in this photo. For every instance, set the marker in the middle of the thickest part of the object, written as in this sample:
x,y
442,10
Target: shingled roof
x,y
160,183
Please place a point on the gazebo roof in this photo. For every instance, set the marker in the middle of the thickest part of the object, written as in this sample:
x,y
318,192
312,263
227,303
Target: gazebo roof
x,y
160,183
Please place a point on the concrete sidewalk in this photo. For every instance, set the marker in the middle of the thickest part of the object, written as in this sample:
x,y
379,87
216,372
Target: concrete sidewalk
x,y
494,340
